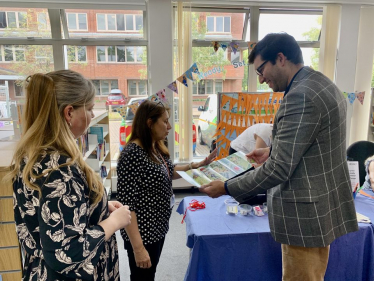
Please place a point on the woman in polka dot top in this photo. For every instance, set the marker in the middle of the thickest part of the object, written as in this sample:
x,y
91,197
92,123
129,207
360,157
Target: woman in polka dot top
x,y
145,174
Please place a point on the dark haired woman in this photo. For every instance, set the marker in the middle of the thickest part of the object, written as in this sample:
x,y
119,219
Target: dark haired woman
x,y
145,174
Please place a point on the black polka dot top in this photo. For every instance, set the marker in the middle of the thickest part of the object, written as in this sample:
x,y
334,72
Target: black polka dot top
x,y
146,188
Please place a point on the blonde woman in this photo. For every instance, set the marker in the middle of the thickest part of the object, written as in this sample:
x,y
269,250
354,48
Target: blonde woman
x,y
65,223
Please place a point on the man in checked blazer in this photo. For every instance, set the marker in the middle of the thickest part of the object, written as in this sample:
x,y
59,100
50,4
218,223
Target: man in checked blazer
x,y
305,172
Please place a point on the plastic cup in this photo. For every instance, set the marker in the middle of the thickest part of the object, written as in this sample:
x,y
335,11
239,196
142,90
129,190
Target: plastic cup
x,y
231,206
265,207
245,209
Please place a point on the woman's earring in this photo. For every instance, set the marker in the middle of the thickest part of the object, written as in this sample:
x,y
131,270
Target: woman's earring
x,y
70,124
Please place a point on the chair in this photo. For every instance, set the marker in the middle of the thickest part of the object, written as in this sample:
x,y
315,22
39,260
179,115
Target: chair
x,y
360,151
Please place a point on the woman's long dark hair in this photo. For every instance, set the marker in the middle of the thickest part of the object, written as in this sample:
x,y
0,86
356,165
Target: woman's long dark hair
x,y
141,131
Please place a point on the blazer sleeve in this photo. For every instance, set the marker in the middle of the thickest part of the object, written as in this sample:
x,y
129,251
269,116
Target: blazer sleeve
x,y
71,246
297,125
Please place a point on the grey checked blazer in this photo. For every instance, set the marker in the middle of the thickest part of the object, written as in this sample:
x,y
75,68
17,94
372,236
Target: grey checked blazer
x,y
306,177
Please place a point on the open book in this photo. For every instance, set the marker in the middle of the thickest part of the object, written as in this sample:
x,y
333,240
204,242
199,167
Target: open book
x,y
222,169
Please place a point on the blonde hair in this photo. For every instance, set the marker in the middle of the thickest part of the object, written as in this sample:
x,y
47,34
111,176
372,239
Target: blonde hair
x,y
45,127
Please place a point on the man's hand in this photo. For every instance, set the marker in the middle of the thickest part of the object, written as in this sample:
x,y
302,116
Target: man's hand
x,y
214,189
259,155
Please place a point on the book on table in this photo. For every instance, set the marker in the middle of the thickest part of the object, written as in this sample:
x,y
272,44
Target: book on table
x,y
223,169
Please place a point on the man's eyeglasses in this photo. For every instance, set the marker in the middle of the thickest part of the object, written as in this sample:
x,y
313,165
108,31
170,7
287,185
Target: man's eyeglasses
x,y
258,70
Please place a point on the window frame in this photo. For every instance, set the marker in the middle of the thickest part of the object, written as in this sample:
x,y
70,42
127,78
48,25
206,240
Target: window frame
x,y
100,94
76,49
14,55
137,87
134,30
17,20
215,25
116,55
77,21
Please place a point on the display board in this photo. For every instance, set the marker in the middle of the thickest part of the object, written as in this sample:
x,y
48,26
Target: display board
x,y
238,111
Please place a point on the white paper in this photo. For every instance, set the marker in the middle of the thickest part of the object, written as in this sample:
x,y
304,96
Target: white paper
x,y
188,178
362,218
354,174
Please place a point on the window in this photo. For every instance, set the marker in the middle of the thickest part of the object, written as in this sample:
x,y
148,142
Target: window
x,y
119,22
42,21
119,54
12,53
13,19
44,55
235,57
218,24
77,21
77,53
103,87
137,87
206,87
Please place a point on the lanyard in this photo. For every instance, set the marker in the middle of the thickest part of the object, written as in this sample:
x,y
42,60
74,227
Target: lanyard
x,y
365,194
167,167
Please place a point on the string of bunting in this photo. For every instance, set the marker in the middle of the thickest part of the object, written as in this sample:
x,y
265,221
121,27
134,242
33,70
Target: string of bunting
x,y
360,96
193,206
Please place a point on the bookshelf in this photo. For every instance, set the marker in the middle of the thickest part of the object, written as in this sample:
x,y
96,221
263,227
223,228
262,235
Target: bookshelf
x,y
10,251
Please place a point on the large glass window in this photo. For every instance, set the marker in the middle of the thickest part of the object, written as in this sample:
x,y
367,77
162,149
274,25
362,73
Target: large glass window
x,y
77,21
24,22
77,53
120,54
220,26
119,22
137,87
297,25
103,87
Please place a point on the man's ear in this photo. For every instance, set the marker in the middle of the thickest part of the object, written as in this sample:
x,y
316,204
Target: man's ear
x,y
282,58
149,123
68,111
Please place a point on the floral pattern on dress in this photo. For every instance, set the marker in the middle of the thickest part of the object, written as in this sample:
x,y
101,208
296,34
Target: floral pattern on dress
x,y
58,229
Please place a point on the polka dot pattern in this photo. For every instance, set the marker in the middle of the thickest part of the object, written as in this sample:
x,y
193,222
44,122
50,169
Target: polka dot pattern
x,y
146,188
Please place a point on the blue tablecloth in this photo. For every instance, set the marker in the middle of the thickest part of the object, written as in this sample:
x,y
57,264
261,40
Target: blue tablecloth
x,y
225,247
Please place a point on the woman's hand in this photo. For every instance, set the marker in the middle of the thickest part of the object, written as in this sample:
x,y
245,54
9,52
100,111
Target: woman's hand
x,y
121,216
142,258
209,159
113,205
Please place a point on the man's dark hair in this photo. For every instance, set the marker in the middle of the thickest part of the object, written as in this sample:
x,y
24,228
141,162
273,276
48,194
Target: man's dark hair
x,y
273,44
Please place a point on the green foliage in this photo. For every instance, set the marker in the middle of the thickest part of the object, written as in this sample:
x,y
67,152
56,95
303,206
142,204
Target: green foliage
x,y
312,35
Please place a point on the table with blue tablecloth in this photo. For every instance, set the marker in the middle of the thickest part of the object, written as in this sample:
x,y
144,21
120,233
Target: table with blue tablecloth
x,y
226,247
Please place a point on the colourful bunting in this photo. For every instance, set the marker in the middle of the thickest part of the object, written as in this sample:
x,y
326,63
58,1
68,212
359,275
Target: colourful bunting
x,y
251,45
194,68
183,79
173,86
223,45
360,96
234,46
215,45
161,95
345,94
351,97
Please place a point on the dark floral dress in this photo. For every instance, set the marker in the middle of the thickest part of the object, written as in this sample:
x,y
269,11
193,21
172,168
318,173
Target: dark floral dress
x,y
58,229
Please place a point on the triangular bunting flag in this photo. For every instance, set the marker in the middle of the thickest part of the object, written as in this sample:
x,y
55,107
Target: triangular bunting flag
x,y
223,45
183,80
215,45
194,68
360,96
173,86
161,96
234,46
251,45
351,97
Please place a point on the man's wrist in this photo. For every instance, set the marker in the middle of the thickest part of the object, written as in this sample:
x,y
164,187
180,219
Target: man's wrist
x,y
226,189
